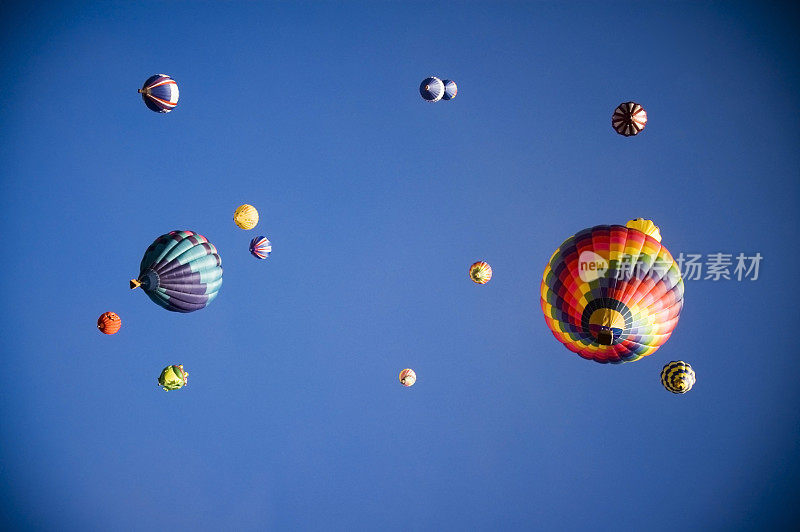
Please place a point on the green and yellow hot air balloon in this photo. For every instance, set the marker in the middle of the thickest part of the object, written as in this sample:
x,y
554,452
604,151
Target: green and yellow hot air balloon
x,y
173,378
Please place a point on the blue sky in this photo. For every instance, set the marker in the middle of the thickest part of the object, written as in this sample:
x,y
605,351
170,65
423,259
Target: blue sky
x,y
376,203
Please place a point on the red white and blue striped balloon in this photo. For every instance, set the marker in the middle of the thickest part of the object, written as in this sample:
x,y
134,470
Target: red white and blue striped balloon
x,y
260,247
160,93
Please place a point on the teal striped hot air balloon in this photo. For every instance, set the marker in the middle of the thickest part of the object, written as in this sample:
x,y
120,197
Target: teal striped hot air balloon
x,y
181,271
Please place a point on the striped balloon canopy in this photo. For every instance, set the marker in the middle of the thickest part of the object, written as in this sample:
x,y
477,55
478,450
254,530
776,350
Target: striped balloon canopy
x,y
160,93
260,247
450,89
408,377
109,323
612,293
480,272
245,216
431,89
181,271
629,119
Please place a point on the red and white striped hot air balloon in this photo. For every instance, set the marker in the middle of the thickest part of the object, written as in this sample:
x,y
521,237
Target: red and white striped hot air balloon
x,y
629,119
260,247
160,93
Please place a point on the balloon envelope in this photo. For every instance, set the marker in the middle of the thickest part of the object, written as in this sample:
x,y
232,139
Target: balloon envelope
x,y
678,376
160,93
450,89
408,377
629,119
612,293
260,247
480,272
109,323
180,271
431,89
245,216
173,378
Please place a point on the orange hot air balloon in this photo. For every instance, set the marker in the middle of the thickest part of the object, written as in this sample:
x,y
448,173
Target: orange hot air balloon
x,y
109,323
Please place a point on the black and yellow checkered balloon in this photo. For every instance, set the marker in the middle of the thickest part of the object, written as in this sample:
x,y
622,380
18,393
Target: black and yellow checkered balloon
x,y
678,377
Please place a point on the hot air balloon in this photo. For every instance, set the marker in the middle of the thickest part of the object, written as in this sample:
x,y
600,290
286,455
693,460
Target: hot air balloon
x,y
109,323
408,377
431,89
260,247
645,226
450,89
173,378
160,93
629,119
612,293
181,271
246,216
480,272
678,377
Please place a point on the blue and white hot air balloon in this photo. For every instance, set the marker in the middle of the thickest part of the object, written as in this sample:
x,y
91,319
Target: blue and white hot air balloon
x,y
431,89
160,93
450,89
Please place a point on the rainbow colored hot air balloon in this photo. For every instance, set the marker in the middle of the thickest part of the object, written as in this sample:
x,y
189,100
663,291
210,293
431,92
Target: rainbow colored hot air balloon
x,y
245,216
450,89
678,376
181,271
173,378
629,119
408,377
431,89
260,247
480,272
160,93
612,293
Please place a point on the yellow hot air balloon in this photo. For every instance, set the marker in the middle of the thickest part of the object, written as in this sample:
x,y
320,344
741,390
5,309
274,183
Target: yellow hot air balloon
x,y
645,226
246,216
408,377
480,272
